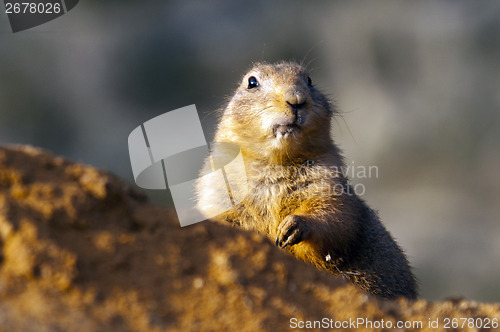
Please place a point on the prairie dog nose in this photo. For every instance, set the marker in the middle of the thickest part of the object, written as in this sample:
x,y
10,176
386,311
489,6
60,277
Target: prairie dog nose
x,y
295,98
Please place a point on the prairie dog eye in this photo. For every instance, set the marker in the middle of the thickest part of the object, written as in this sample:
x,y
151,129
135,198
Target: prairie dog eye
x,y
309,81
252,82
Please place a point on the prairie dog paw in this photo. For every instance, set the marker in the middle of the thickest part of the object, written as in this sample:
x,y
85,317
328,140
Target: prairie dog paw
x,y
292,230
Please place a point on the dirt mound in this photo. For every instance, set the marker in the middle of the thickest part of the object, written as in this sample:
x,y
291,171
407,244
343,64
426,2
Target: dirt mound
x,y
83,251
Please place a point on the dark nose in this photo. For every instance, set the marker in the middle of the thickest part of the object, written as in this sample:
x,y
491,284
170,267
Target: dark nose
x,y
295,96
296,99
295,108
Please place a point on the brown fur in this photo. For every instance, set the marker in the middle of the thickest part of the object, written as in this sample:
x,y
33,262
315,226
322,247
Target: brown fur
x,y
297,195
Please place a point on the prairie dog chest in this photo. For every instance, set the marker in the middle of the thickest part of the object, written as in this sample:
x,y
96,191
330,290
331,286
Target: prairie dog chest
x,y
275,190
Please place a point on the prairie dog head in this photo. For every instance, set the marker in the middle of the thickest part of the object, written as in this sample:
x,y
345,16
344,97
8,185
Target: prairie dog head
x,y
276,113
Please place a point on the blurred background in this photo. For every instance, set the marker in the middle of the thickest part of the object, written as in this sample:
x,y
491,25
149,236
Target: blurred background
x,y
417,85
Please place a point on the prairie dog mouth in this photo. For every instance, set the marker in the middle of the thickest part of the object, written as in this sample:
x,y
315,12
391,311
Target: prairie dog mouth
x,y
285,130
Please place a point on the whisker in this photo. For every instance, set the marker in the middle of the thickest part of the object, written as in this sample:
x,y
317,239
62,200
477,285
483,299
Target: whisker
x,y
307,54
348,129
257,114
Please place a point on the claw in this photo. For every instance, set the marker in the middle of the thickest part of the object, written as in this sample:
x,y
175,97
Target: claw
x,y
283,246
291,231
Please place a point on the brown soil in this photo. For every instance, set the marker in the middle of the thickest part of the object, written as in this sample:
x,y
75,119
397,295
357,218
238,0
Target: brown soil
x,y
83,251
